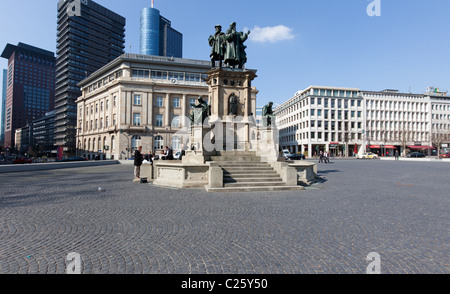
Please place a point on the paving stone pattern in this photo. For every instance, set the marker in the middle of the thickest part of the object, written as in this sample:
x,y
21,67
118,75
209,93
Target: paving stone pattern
x,y
397,209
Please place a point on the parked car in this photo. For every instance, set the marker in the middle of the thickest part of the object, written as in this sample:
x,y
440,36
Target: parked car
x,y
74,158
286,153
446,155
295,157
415,155
367,155
22,160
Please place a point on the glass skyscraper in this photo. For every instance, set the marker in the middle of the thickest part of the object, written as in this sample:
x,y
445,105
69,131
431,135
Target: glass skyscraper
x,y
89,36
157,35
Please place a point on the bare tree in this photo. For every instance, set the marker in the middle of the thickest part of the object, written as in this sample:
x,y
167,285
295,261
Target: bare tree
x,y
438,137
404,136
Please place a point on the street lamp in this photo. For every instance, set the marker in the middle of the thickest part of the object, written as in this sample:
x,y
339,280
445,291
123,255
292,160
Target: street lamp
x,y
128,142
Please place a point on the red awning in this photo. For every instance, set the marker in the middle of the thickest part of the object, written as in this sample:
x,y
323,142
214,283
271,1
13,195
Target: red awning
x,y
385,146
420,147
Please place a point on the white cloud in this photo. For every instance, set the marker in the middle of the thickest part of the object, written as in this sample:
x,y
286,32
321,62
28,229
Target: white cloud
x,y
271,34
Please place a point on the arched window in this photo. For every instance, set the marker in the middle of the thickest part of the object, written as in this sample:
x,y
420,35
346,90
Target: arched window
x,y
89,145
135,142
105,143
99,143
176,143
159,143
113,143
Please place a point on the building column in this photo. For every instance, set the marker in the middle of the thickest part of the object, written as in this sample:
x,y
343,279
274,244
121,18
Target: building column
x,y
150,109
183,110
166,111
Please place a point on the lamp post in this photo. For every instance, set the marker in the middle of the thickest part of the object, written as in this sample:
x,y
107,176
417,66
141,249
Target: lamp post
x,y
128,142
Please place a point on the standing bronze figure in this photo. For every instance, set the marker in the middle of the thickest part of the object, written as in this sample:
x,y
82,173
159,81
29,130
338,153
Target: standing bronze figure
x,y
203,105
217,42
267,114
235,49
233,105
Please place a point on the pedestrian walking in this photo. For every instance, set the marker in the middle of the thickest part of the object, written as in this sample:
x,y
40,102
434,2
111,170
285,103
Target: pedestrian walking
x,y
396,154
138,158
320,157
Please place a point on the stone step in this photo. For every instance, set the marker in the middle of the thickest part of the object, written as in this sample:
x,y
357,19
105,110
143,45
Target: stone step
x,y
251,176
254,189
236,153
247,169
235,158
246,172
230,180
254,184
244,163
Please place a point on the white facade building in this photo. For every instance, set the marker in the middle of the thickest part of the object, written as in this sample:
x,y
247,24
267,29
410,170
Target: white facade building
x,y
347,121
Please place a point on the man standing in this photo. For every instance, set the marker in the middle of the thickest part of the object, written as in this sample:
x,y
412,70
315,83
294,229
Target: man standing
x,y
138,158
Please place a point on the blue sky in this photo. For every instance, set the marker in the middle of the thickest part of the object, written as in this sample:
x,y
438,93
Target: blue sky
x,y
293,44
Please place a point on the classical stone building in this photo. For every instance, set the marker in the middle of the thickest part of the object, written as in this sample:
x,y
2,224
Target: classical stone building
x,y
138,100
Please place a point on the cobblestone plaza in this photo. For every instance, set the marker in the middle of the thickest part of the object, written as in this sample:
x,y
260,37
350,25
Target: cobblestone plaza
x,y
396,209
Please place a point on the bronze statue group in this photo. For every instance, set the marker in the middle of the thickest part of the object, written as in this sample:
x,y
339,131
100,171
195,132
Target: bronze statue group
x,y
228,47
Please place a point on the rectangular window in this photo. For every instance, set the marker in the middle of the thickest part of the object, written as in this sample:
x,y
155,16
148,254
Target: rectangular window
x,y
176,122
176,102
159,120
191,102
159,101
137,100
136,119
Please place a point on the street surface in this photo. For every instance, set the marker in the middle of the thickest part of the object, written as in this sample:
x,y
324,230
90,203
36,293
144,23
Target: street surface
x,y
397,209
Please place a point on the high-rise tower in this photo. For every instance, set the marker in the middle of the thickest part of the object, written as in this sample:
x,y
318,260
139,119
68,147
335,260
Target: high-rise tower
x,y
2,108
157,35
30,87
89,36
